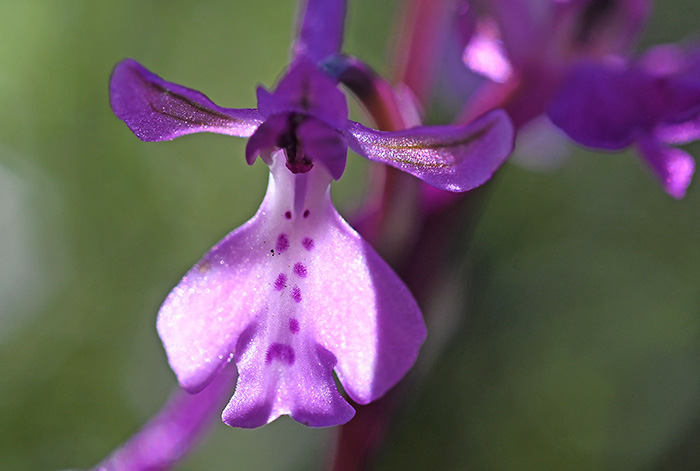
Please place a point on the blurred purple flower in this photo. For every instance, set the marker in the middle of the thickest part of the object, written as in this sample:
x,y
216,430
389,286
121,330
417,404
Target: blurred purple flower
x,y
568,59
295,293
527,47
648,103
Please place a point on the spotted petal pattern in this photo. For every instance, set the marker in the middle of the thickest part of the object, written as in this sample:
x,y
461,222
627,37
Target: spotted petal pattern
x,y
291,296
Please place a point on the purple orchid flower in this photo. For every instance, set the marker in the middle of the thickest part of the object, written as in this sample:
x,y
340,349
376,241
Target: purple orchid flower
x,y
649,103
568,60
527,47
295,293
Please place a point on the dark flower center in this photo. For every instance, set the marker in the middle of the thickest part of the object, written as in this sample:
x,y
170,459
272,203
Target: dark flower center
x,y
292,145
594,17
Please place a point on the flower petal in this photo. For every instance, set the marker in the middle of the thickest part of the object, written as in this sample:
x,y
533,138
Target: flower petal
x,y
324,301
325,145
485,54
266,137
453,158
603,107
305,89
278,379
521,27
321,30
591,28
365,314
283,367
205,314
609,106
673,167
681,133
156,110
312,138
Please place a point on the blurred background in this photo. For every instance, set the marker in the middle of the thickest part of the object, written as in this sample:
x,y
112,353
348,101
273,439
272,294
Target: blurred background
x,y
580,349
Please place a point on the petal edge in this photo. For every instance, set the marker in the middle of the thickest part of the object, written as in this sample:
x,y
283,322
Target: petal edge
x,y
157,110
450,157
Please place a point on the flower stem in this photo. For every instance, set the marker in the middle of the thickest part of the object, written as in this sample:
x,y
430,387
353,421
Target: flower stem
x,y
174,431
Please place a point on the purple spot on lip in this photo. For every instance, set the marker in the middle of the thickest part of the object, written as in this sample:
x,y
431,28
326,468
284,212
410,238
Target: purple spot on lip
x,y
281,352
293,326
300,270
296,294
306,213
280,282
282,242
288,215
308,243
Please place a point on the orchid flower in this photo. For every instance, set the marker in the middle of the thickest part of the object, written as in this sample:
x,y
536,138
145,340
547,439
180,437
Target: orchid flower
x,y
295,293
649,103
527,47
569,60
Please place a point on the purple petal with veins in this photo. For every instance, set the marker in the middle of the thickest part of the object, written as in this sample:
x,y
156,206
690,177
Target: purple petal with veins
x,y
291,300
372,323
156,110
450,157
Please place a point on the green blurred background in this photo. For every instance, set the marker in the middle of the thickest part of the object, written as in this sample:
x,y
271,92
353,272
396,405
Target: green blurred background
x,y
580,349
